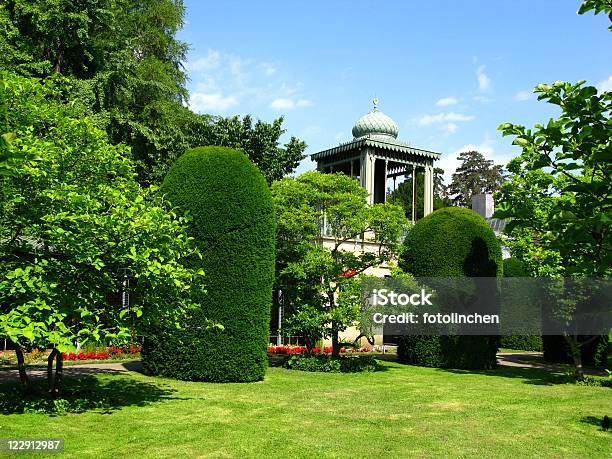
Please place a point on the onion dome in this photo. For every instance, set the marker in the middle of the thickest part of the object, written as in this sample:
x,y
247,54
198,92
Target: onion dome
x,y
376,124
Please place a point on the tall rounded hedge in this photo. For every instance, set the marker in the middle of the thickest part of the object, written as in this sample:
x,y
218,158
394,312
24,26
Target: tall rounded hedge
x,y
451,242
232,220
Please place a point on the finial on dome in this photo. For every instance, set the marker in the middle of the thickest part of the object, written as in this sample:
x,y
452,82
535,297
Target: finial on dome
x,y
375,102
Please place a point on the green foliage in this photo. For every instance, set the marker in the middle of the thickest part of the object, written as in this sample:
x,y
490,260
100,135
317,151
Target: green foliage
x,y
403,194
309,273
260,142
559,197
521,342
420,350
597,6
452,242
475,175
329,364
465,352
560,191
594,351
513,267
127,69
72,218
232,216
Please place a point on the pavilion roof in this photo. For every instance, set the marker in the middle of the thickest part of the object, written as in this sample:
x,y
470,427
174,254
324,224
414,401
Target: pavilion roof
x,y
387,143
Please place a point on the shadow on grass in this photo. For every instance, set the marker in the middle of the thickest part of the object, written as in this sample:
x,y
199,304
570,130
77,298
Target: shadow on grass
x,y
536,376
594,421
82,394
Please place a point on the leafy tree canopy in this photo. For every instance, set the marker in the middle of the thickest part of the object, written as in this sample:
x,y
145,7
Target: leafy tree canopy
x,y
597,6
560,189
474,175
73,221
318,215
128,69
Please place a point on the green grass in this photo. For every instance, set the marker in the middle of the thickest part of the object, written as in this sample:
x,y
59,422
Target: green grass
x,y
402,411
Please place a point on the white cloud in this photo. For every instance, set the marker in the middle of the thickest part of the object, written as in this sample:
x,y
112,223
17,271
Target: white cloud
x,y
450,128
445,101
269,68
523,95
213,102
444,117
484,82
223,81
285,103
206,63
605,85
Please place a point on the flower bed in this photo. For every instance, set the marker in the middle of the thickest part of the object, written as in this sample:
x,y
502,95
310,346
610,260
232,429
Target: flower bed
x,y
304,350
112,352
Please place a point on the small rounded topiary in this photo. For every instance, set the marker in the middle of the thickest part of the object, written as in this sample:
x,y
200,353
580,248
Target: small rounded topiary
x,y
452,242
232,221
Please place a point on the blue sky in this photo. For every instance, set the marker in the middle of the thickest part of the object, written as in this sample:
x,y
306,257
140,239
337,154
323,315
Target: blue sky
x,y
448,72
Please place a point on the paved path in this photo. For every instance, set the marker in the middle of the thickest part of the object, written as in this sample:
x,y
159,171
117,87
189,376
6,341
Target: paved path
x,y
73,370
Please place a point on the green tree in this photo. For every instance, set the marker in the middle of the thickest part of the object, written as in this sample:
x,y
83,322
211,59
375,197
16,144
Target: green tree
x,y
474,175
128,69
402,195
597,6
319,216
559,196
73,222
259,140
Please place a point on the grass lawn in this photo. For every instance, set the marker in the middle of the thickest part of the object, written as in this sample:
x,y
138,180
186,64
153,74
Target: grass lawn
x,y
402,411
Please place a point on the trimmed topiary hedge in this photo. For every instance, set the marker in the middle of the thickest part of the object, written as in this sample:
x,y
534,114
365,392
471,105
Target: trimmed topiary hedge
x,y
232,220
451,242
328,364
521,342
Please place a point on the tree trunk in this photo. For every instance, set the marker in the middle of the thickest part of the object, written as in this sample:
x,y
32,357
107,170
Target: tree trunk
x,y
50,376
575,350
335,341
59,373
23,376
54,380
334,327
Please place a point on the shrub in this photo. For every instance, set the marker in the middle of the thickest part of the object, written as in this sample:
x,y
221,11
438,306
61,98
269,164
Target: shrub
x,y
521,342
513,267
451,242
420,350
328,364
232,220
595,353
